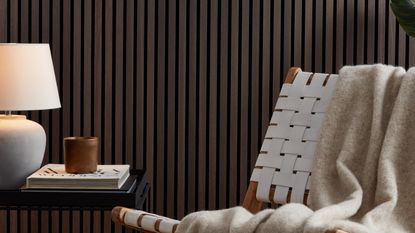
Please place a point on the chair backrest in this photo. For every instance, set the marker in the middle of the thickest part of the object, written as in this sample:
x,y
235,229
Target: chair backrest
x,y
283,168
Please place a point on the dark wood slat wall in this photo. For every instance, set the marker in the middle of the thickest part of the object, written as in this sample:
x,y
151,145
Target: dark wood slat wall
x,y
185,88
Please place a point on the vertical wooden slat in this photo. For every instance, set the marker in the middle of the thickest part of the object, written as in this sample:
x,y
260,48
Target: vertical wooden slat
x,y
191,106
41,216
402,47
350,27
330,27
66,222
171,106
287,32
129,81
340,35
381,26
318,36
24,22
244,97
360,31
181,108
119,77
254,79
4,23
371,37
391,36
87,75
54,219
233,96
150,88
66,68
32,31
277,34
159,97
106,224
308,36
76,91
202,105
86,217
264,76
34,221
45,37
109,49
3,220
14,21
223,30
13,226
97,222
212,114
23,221
55,137
140,87
297,54
97,74
75,220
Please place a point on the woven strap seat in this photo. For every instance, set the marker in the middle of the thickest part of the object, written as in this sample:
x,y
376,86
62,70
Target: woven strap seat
x,y
283,168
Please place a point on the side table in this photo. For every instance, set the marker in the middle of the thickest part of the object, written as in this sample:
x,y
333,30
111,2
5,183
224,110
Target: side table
x,y
39,206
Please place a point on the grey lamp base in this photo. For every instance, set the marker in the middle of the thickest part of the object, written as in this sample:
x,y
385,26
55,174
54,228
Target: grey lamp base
x,y
22,146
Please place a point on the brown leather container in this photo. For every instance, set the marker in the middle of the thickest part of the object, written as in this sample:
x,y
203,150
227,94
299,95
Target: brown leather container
x,y
81,154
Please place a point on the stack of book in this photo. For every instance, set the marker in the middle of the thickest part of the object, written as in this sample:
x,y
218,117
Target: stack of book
x,y
54,176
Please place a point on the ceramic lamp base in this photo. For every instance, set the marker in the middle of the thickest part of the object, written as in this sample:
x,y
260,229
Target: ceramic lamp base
x,y
22,146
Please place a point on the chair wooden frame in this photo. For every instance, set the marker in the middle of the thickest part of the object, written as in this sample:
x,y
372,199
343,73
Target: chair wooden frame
x,y
251,203
302,102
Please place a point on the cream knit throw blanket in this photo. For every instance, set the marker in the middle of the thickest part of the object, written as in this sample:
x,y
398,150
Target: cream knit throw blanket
x,y
363,179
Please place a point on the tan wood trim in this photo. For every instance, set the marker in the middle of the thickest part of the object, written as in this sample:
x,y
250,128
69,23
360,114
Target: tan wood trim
x,y
336,231
250,201
116,215
292,72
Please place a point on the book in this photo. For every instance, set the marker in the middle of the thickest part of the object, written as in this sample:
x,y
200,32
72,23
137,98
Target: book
x,y
54,176
129,186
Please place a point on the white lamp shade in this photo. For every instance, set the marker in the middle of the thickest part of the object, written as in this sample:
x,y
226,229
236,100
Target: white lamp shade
x,y
27,78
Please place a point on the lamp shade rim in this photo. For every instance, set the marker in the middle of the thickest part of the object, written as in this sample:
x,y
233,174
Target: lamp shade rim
x,y
29,108
24,44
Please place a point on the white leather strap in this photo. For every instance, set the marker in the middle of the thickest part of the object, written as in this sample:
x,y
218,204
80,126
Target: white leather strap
x,y
299,186
148,222
131,217
167,226
264,186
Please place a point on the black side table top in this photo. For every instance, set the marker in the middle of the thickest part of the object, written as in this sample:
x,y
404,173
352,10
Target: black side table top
x,y
132,195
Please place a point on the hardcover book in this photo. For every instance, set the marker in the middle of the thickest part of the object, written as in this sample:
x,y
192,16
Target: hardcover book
x,y
53,176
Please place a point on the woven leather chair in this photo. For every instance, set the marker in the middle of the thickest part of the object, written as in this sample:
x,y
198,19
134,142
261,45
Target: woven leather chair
x,y
283,167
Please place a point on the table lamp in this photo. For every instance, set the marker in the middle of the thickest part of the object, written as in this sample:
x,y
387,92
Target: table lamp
x,y
27,82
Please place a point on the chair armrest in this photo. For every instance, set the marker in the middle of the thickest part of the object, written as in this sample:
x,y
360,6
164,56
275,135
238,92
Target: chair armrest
x,y
336,231
141,220
148,222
